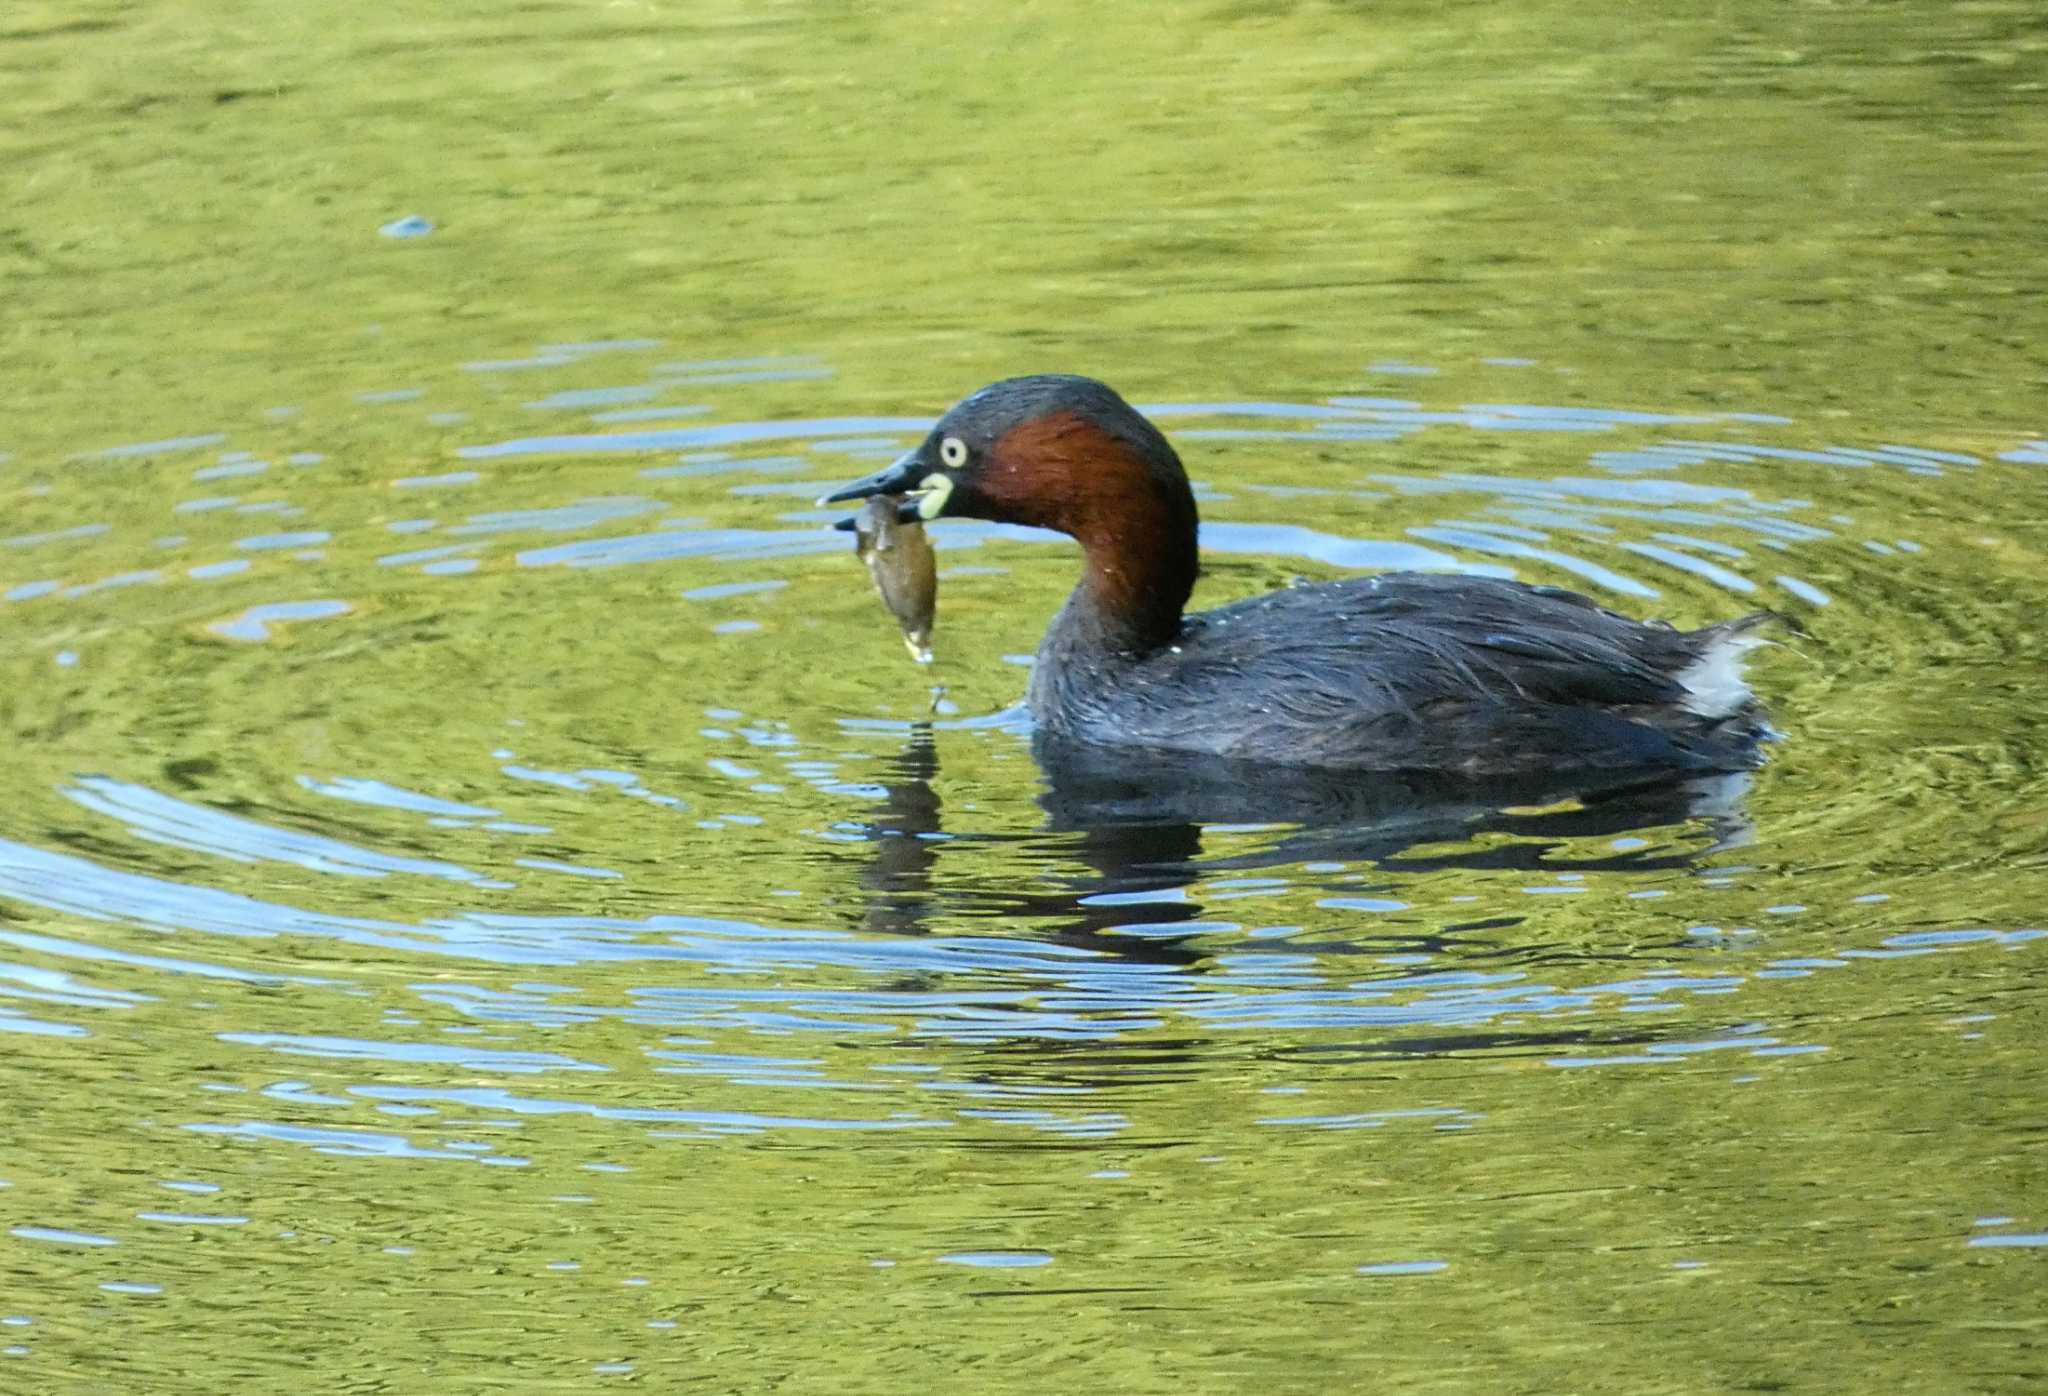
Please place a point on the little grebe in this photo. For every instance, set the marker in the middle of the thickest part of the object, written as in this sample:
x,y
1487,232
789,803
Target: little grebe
x,y
1473,676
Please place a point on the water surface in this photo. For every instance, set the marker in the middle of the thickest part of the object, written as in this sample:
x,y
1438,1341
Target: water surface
x,y
484,898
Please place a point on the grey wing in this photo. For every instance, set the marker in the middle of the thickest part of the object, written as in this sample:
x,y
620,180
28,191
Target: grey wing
x,y
1450,672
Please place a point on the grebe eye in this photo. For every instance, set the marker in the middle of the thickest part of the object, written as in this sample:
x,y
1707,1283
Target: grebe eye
x,y
953,452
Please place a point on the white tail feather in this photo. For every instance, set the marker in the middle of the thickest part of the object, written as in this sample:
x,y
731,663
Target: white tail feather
x,y
1714,683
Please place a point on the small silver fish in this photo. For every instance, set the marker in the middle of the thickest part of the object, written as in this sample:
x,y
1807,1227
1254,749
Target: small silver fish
x,y
899,558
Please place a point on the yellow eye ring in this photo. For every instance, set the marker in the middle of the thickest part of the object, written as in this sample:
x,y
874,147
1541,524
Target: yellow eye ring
x,y
953,452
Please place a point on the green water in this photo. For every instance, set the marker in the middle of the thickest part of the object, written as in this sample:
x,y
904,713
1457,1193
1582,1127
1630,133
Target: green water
x,y
553,951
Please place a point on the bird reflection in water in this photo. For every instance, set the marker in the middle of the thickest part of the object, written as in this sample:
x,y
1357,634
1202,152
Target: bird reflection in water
x,y
1137,821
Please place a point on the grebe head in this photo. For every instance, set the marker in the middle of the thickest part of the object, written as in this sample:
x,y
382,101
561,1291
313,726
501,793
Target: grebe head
x,y
1066,453
1052,451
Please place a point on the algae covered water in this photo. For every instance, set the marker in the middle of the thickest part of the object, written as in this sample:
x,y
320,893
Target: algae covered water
x,y
486,903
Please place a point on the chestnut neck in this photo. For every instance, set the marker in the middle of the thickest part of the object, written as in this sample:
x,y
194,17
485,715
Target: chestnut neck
x,y
1121,493
1140,566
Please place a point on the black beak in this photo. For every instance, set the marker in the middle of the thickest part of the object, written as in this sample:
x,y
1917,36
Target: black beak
x,y
898,477
906,512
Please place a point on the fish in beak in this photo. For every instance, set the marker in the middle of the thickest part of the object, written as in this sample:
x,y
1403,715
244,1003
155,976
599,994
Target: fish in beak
x,y
905,572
